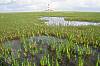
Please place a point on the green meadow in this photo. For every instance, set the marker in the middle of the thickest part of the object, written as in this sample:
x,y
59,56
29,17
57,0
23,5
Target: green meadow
x,y
57,46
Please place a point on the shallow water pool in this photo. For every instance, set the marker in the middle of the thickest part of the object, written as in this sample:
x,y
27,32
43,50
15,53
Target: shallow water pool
x,y
60,21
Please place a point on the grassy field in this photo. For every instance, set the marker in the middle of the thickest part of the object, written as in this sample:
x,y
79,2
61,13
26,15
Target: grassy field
x,y
20,26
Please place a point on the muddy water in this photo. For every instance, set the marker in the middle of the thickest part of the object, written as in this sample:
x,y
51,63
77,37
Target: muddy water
x,y
60,21
44,42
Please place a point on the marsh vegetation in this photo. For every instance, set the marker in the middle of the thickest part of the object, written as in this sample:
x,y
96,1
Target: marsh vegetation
x,y
25,40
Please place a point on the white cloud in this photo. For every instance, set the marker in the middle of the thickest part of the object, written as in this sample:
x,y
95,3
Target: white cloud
x,y
55,4
4,1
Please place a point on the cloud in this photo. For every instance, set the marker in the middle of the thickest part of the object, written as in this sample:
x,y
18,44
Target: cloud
x,y
80,5
5,1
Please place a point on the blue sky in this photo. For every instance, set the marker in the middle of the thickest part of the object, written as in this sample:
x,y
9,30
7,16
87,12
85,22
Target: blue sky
x,y
57,5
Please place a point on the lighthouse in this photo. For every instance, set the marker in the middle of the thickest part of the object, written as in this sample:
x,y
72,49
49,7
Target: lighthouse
x,y
50,8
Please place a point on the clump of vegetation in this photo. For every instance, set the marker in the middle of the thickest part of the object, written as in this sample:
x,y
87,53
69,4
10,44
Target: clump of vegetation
x,y
79,44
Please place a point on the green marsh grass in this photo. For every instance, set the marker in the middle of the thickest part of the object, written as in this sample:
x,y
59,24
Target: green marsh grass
x,y
20,26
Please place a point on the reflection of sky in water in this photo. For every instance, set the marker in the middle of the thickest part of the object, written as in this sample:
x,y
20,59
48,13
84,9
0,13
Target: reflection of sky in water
x,y
17,45
61,21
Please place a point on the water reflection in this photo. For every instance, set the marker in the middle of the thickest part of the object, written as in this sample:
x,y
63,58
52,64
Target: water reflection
x,y
60,21
45,42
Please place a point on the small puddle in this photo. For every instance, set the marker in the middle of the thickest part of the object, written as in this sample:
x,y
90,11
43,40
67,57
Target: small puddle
x,y
44,43
60,21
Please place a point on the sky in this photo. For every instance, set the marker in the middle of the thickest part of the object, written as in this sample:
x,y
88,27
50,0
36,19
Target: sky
x,y
42,5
